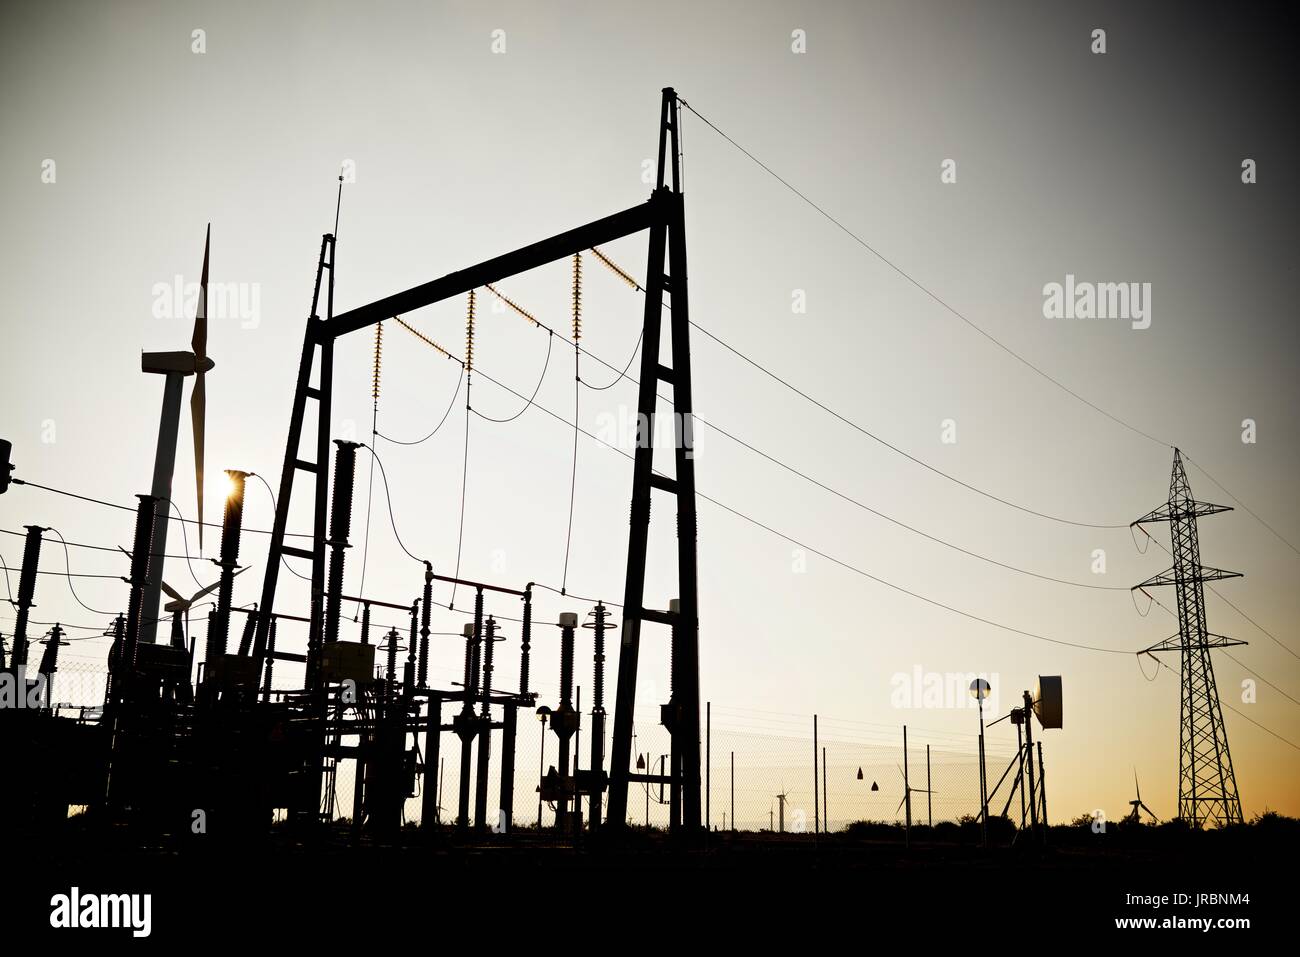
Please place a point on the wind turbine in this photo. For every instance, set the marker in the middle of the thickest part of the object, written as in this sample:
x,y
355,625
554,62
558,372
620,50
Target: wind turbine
x,y
1135,817
781,799
174,367
908,791
180,604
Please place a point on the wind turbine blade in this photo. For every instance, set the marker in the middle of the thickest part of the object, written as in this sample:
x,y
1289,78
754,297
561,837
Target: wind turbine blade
x,y
171,592
900,804
199,341
198,413
211,588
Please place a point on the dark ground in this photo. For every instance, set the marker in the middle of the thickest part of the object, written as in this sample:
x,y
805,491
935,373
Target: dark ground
x,y
867,889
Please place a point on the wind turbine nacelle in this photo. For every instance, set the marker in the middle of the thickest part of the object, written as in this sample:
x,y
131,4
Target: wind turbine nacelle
x,y
164,363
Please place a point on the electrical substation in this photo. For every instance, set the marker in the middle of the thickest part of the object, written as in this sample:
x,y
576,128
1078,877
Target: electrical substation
x,y
186,729
600,476
181,729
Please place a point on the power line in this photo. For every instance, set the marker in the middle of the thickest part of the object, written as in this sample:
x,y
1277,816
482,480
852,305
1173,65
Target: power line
x,y
577,399
828,489
9,588
905,591
1229,655
570,594
852,501
911,528
464,494
1240,714
464,469
64,574
894,448
98,548
528,404
889,518
949,308
128,508
815,551
622,374
283,559
185,541
905,275
832,559
68,568
388,497
1278,641
774,460
450,405
1253,514
573,472
103,629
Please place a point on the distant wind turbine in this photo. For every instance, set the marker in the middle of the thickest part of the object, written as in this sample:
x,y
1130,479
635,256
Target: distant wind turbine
x,y
180,605
1135,816
782,798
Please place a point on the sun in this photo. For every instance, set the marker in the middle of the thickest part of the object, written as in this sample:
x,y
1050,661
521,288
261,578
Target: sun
x,y
232,486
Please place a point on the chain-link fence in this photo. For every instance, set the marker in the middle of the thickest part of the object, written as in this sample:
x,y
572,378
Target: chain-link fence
x,y
761,770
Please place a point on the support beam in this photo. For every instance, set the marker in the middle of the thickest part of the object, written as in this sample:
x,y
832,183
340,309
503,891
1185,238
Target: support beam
x,y
493,270
432,739
508,731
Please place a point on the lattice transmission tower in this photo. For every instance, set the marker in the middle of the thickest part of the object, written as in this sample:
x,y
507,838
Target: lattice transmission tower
x,y
1207,784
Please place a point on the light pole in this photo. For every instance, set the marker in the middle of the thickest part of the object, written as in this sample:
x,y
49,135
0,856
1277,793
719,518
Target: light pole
x,y
979,689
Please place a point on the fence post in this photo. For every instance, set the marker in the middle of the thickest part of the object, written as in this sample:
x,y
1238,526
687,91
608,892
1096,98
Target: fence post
x,y
816,804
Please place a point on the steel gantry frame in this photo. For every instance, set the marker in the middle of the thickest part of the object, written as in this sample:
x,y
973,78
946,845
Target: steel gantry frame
x,y
664,217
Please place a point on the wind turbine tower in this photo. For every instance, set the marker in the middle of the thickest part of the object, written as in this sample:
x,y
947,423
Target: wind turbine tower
x,y
175,367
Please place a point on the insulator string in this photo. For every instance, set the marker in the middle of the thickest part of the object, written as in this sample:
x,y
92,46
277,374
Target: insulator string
x,y
464,471
616,269
577,297
513,305
577,383
469,335
425,339
374,431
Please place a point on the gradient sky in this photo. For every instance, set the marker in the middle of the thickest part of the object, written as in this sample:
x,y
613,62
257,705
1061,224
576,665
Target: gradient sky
x,y
1122,167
